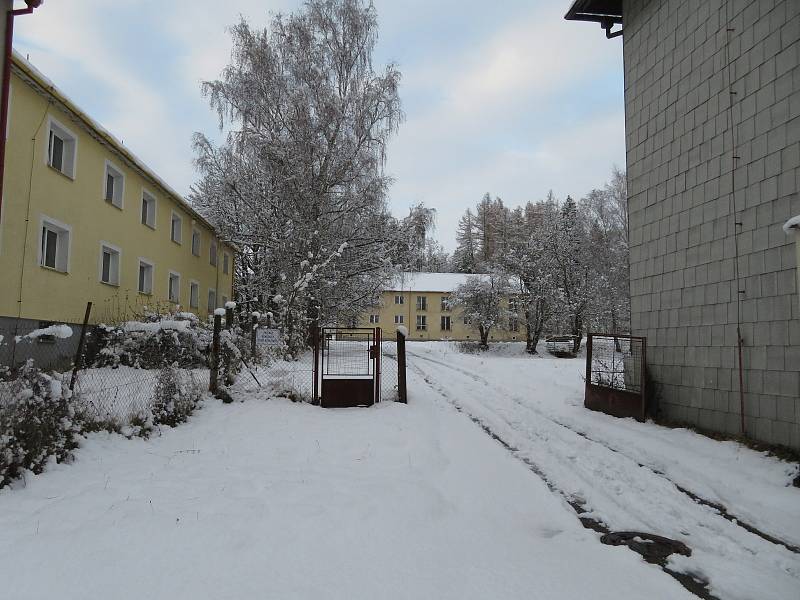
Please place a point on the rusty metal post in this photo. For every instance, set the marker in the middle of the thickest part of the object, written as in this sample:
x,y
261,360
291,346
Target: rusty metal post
x,y
643,381
315,344
78,363
213,385
253,327
377,366
228,318
402,391
589,358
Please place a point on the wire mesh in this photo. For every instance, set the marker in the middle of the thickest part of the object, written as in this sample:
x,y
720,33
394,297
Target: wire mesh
x,y
347,353
388,371
616,362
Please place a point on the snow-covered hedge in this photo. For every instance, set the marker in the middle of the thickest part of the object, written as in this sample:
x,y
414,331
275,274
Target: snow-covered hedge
x,y
179,339
37,422
175,397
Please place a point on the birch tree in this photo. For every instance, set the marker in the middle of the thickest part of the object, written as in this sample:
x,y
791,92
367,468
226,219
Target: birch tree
x,y
298,183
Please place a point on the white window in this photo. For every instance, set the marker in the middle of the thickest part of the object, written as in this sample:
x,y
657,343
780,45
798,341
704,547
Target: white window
x,y
194,294
399,319
513,324
467,320
145,276
195,242
212,300
62,148
422,303
109,263
399,299
148,209
212,253
54,245
445,324
225,262
374,319
422,322
174,287
113,185
445,303
176,228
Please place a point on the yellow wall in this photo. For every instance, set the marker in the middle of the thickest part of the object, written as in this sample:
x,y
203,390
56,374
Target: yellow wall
x,y
459,331
50,295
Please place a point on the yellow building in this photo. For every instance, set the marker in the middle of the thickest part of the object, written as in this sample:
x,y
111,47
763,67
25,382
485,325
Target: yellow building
x,y
421,303
84,220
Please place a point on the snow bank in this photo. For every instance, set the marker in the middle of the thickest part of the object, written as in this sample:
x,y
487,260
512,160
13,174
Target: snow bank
x,y
165,325
792,224
58,331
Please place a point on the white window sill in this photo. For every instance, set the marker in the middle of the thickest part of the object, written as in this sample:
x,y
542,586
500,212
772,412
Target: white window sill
x,y
46,268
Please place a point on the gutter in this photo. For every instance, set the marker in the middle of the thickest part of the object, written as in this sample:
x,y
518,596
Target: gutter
x,y
6,85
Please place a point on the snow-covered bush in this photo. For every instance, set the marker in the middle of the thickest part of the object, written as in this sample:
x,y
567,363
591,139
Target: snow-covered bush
x,y
37,422
175,397
180,339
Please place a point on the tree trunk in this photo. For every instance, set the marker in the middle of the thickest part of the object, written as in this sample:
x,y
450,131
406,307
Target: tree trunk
x,y
577,332
530,346
484,336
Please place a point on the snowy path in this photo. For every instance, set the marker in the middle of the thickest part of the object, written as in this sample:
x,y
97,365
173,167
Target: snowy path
x,y
633,476
269,499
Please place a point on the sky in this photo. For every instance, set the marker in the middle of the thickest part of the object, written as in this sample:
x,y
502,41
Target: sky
x,y
503,97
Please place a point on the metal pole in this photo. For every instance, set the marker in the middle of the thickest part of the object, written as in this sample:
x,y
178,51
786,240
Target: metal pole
x,y
79,355
402,391
253,327
315,343
213,380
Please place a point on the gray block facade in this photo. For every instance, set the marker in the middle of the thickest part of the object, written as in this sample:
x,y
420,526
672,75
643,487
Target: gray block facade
x,y
712,177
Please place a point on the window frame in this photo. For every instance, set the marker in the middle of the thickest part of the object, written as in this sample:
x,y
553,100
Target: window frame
x,y
118,193
211,291
172,219
60,229
422,303
197,235
399,319
113,250
70,145
399,299
446,304
445,319
422,322
213,253
194,285
170,275
151,264
149,197
374,319
226,263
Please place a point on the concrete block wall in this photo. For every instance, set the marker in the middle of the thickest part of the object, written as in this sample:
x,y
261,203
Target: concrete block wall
x,y
692,212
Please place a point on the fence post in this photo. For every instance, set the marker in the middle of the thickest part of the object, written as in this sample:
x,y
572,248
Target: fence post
x,y
214,379
402,390
315,344
79,355
377,364
253,327
589,338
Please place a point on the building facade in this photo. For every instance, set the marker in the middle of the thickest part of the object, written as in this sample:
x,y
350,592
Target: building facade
x,y
421,302
84,220
712,126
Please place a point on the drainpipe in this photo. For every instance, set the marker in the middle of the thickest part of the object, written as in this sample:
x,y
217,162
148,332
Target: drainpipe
x,y
32,4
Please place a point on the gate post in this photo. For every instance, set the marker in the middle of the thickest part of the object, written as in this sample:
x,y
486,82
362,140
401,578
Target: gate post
x,y
315,344
377,364
402,391
213,384
78,362
253,327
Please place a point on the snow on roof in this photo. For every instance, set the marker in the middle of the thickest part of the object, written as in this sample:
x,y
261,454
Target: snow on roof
x,y
431,282
792,224
42,80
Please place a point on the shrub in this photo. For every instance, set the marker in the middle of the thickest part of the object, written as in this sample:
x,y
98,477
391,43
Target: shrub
x,y
174,339
175,397
37,421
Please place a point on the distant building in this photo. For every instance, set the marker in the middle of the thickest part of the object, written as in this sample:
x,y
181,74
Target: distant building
x,y
84,220
421,302
712,125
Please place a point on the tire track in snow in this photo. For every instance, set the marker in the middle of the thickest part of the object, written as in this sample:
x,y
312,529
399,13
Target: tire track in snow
x,y
605,479
718,507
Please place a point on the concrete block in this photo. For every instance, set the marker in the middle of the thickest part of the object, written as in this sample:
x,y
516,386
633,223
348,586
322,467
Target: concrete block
x,y
767,406
790,384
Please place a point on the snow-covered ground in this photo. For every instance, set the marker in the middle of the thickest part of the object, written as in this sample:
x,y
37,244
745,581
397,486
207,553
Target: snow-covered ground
x,y
630,475
271,499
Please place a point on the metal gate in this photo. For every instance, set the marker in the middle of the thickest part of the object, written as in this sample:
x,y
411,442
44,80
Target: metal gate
x,y
615,375
347,364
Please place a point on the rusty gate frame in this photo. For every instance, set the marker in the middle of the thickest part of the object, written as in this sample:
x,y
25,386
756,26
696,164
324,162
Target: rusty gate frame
x,y
614,401
374,353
